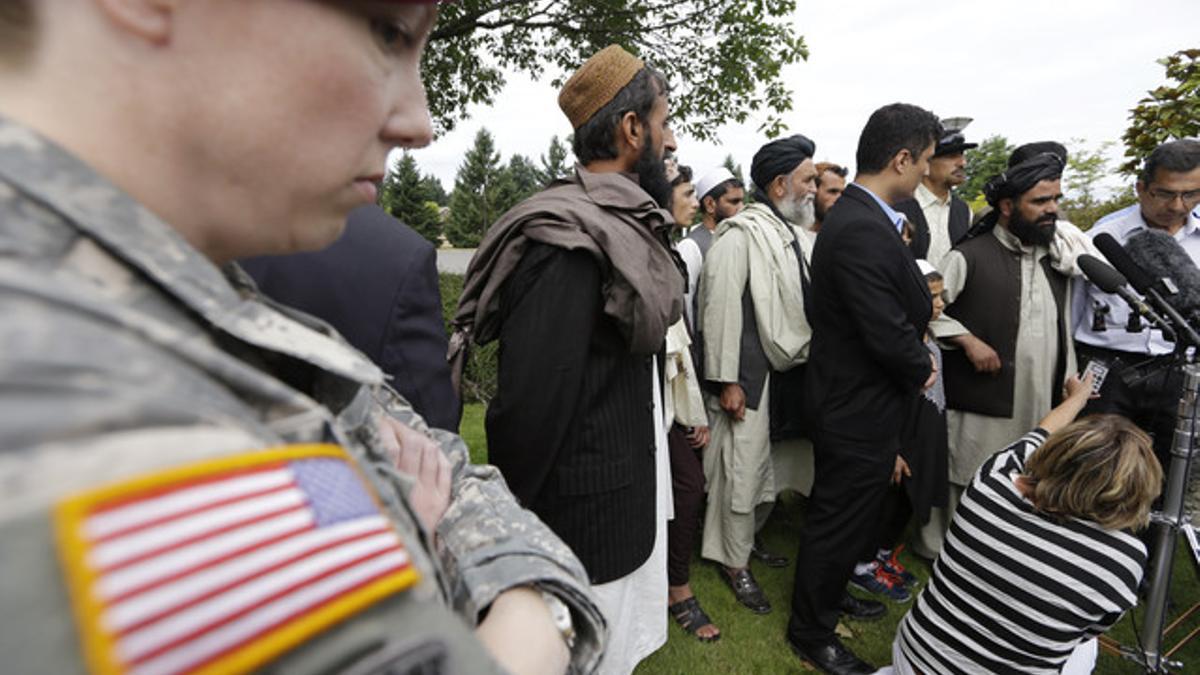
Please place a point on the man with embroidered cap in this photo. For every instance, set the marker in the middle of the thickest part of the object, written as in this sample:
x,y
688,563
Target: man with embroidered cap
x,y
752,314
195,477
721,196
579,286
939,218
1008,313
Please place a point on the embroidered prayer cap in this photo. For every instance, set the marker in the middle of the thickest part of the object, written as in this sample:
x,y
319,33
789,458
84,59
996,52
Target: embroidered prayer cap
x,y
1021,177
711,179
953,141
780,156
597,82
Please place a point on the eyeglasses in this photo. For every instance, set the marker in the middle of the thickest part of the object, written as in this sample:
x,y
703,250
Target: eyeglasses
x,y
1164,197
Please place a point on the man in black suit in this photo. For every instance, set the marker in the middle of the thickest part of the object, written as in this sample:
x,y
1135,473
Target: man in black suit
x,y
378,286
870,306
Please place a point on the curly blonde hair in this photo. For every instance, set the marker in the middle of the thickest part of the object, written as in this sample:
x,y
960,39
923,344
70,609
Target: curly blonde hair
x,y
1100,468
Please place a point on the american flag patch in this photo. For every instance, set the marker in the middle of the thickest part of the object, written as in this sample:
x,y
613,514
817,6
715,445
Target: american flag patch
x,y
221,566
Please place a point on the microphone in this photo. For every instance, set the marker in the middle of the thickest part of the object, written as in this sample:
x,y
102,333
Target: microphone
x,y
1119,257
1160,254
1143,283
1109,280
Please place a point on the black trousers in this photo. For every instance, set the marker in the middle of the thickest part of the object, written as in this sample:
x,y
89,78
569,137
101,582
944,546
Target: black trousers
x,y
687,484
1150,402
842,521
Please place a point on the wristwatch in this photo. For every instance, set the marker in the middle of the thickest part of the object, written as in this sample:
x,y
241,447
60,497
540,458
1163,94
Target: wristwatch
x,y
560,614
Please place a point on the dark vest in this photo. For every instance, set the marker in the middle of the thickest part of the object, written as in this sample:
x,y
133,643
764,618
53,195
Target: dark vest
x,y
958,224
703,238
990,307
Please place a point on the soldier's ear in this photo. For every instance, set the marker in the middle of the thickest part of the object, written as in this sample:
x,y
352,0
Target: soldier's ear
x,y
149,20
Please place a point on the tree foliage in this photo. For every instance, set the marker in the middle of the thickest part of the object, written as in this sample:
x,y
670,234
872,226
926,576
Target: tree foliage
x,y
410,198
1085,198
724,58
475,201
434,190
983,162
1171,111
554,162
519,179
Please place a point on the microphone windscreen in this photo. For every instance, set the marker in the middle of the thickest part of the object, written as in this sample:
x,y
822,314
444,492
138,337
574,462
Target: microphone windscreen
x,y
1119,257
1101,273
1161,255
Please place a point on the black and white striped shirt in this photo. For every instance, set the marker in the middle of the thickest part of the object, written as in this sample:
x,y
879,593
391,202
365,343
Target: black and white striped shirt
x,y
1014,590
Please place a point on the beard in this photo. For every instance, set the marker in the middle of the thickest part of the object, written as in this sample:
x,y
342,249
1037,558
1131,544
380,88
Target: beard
x,y
799,211
818,212
651,172
1038,232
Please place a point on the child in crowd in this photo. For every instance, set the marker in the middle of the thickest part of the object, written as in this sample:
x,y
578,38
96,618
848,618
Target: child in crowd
x,y
919,479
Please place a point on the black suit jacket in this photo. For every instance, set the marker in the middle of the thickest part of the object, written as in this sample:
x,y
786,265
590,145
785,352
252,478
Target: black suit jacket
x,y
378,286
572,425
870,308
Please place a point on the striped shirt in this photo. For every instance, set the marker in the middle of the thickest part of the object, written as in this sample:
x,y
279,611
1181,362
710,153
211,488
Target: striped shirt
x,y
1014,590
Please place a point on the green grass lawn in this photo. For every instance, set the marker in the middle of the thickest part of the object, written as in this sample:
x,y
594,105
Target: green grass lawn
x,y
755,644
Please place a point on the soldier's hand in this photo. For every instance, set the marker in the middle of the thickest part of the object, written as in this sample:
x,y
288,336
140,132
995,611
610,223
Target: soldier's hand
x,y
422,458
698,437
733,401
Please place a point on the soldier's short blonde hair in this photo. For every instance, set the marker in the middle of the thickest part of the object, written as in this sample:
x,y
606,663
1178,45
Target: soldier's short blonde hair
x,y
1101,468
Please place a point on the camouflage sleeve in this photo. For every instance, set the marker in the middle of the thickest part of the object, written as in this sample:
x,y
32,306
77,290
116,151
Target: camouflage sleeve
x,y
488,544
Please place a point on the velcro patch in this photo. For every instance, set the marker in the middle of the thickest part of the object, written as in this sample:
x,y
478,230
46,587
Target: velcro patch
x,y
220,566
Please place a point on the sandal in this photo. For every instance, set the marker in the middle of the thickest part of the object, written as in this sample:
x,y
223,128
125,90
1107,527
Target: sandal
x,y
691,618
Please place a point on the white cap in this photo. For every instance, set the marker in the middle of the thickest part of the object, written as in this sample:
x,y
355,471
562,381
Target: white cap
x,y
926,267
712,179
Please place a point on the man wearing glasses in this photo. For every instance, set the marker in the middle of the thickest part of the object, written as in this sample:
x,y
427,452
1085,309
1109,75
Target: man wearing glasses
x,y
1168,191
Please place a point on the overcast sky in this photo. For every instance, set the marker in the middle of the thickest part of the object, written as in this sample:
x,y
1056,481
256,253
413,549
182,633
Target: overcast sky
x,y
1028,69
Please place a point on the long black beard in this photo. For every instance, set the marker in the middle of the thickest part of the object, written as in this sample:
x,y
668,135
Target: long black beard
x,y
652,176
1033,232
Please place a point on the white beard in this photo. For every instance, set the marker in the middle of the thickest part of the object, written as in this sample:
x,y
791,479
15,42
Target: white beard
x,y
800,212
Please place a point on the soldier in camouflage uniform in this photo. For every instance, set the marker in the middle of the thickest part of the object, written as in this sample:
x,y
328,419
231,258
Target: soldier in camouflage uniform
x,y
138,368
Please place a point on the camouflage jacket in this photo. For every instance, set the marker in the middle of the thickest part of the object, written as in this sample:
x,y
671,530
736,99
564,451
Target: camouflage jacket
x,y
123,351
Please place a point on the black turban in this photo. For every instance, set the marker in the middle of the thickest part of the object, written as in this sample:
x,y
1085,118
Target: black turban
x,y
1020,178
780,156
1031,150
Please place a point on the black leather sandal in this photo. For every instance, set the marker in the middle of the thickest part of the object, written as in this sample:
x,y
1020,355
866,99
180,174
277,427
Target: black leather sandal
x,y
691,618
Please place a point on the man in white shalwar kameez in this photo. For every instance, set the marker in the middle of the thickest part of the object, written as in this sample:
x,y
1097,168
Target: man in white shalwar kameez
x,y
1008,314
753,324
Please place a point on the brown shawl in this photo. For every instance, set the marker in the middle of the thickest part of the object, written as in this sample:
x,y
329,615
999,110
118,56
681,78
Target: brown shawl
x,y
606,214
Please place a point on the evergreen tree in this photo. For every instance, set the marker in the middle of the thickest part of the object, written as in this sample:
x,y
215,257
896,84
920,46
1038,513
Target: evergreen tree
x,y
406,196
518,180
474,203
434,190
554,162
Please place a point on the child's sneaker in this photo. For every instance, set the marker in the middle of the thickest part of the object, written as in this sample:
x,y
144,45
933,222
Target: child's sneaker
x,y
891,565
879,582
